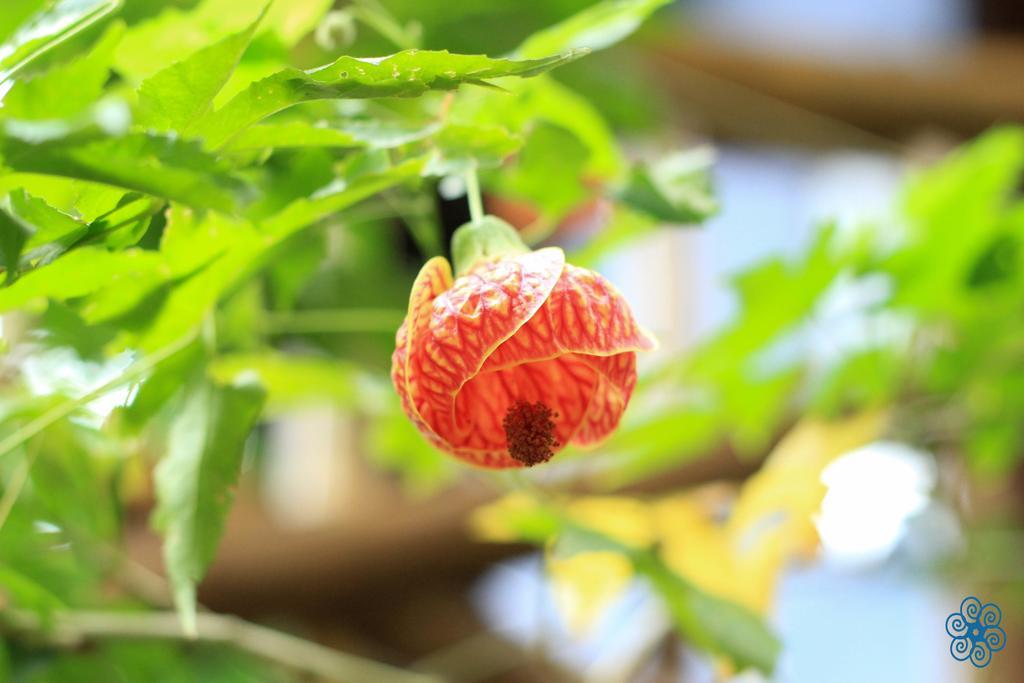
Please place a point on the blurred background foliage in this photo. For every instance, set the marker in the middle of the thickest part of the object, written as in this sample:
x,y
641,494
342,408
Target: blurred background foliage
x,y
199,240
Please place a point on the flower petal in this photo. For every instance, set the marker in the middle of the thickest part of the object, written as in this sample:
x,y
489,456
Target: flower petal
x,y
434,278
466,323
584,314
565,384
616,379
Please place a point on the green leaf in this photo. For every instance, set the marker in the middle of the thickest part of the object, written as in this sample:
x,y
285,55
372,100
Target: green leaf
x,y
52,230
176,97
955,211
378,133
304,212
596,27
485,240
251,250
16,13
194,480
71,481
675,189
193,298
406,74
388,133
549,172
718,626
545,100
175,33
292,380
709,622
20,589
13,236
84,200
461,147
78,273
49,28
159,166
291,134
158,390
67,89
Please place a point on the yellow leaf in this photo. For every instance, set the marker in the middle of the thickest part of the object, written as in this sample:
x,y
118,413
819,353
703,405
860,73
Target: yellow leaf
x,y
777,504
495,521
740,556
627,520
585,584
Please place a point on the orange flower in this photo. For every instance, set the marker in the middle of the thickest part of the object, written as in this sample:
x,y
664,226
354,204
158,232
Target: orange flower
x,y
515,359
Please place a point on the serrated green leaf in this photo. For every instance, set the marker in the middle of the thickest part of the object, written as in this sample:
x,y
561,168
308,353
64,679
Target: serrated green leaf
x,y
159,166
596,27
173,99
47,29
405,74
674,189
67,89
194,480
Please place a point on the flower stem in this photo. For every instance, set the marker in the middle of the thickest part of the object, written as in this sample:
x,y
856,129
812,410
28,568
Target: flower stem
x,y
476,205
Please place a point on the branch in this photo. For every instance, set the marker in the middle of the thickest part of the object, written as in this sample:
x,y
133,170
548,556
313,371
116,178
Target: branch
x,y
76,628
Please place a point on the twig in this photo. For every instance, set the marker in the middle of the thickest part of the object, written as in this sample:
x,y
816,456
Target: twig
x,y
77,628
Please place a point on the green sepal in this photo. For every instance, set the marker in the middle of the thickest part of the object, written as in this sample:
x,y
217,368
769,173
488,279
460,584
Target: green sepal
x,y
485,240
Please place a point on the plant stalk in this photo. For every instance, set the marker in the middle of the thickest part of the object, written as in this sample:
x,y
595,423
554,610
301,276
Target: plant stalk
x,y
476,205
76,628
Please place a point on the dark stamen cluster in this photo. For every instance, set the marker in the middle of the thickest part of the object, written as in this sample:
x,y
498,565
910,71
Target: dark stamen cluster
x,y
530,432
